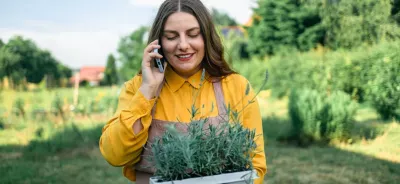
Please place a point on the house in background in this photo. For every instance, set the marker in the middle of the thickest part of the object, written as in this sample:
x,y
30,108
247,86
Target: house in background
x,y
88,75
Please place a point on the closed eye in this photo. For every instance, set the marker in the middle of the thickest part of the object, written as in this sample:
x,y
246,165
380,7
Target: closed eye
x,y
171,38
194,35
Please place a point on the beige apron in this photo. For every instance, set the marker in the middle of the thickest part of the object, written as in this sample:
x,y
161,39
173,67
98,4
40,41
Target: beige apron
x,y
156,129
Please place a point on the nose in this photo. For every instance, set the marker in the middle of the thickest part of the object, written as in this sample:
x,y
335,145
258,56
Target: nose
x,y
183,44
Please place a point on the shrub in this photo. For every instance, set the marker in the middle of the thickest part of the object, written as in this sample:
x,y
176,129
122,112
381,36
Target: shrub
x,y
320,117
297,70
305,110
383,87
337,116
348,74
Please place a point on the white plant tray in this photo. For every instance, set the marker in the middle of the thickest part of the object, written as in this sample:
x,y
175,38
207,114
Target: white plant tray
x,y
229,178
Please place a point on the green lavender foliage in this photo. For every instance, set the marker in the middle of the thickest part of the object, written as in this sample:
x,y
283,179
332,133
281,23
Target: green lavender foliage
x,y
226,148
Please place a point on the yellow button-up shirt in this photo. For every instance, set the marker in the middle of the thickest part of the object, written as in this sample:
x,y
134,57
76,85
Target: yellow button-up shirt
x,y
121,147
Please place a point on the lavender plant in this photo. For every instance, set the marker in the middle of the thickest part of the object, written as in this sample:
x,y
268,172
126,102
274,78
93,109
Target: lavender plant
x,y
57,105
19,107
205,149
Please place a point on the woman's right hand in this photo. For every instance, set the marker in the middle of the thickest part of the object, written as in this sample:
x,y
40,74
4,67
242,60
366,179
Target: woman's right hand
x,y
151,76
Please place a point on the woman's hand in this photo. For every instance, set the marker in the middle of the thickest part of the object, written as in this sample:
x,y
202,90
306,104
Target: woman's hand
x,y
151,76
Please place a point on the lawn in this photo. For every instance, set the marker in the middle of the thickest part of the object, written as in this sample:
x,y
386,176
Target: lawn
x,y
68,153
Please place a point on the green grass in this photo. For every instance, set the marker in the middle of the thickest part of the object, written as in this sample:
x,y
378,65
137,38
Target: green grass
x,y
370,159
60,154
44,152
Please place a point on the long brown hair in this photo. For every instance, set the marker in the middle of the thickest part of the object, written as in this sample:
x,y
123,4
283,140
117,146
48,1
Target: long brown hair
x,y
213,61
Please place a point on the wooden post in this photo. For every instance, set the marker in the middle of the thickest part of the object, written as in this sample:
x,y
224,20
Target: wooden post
x,y
76,88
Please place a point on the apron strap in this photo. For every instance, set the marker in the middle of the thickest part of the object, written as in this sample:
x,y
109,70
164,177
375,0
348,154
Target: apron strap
x,y
219,96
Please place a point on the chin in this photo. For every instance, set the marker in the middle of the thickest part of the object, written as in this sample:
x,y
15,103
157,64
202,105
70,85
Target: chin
x,y
185,68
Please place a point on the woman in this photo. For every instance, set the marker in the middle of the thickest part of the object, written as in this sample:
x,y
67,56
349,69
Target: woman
x,y
184,32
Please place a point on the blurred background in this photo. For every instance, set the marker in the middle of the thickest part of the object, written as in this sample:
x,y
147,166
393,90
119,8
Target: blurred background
x,y
331,107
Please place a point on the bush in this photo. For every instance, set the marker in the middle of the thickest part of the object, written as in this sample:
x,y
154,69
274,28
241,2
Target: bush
x,y
348,73
320,117
297,70
369,74
383,87
337,116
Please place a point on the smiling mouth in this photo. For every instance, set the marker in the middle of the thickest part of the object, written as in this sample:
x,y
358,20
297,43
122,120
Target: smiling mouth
x,y
185,57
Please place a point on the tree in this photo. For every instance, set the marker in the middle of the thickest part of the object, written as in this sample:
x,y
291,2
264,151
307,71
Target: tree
x,y
284,24
131,50
10,66
110,74
396,11
349,24
31,59
22,59
221,18
1,43
56,72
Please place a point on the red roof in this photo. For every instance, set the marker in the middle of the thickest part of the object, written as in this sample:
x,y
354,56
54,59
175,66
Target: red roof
x,y
90,73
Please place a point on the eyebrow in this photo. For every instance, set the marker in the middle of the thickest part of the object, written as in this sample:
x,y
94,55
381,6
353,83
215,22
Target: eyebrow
x,y
175,32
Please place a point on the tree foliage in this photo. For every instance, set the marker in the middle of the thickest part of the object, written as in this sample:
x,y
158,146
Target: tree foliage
x,y
396,11
349,24
21,59
286,23
303,24
9,65
131,50
110,74
1,43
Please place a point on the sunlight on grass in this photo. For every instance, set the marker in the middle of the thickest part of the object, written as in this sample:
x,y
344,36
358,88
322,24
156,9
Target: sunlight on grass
x,y
385,146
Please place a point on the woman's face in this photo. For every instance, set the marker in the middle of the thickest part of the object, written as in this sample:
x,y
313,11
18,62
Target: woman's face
x,y
183,44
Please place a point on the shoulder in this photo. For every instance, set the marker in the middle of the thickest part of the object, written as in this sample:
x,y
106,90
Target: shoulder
x,y
235,83
235,79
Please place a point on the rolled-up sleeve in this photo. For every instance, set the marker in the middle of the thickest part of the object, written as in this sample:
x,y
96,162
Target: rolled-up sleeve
x,y
118,143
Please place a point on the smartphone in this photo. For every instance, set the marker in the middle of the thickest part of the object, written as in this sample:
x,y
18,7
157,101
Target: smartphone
x,y
159,63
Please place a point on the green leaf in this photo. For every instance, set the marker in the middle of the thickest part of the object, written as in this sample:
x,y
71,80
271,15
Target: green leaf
x,y
247,88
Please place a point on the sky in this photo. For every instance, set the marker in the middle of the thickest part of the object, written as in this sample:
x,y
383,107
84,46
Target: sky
x,y
84,32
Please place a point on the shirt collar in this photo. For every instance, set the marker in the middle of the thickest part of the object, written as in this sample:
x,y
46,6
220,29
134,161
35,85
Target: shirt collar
x,y
175,81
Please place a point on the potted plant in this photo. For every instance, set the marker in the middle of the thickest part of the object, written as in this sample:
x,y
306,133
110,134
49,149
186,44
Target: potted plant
x,y
205,153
